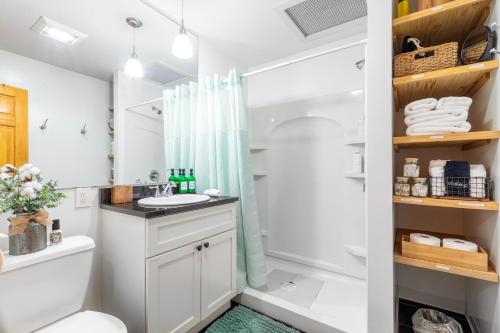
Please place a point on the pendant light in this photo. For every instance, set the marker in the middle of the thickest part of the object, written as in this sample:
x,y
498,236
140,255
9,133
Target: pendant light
x,y
182,48
133,67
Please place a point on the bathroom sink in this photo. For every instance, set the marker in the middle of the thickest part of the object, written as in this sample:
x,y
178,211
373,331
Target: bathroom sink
x,y
174,200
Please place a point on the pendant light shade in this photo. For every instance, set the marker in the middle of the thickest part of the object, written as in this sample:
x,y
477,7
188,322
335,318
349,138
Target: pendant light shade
x,y
182,47
133,67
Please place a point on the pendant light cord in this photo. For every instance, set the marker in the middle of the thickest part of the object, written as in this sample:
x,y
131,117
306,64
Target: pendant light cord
x,y
182,17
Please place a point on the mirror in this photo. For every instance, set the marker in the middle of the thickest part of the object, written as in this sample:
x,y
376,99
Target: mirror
x,y
477,46
69,57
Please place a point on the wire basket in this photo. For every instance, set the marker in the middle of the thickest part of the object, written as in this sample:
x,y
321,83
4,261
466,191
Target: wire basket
x,y
468,188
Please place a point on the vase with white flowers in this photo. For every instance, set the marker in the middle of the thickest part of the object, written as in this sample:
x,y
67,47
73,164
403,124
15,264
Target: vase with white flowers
x,y
24,194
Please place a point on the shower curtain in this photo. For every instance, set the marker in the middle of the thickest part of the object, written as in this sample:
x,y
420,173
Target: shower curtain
x,y
206,128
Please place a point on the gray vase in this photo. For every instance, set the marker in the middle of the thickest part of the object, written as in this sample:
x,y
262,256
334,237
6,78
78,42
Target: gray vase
x,y
33,239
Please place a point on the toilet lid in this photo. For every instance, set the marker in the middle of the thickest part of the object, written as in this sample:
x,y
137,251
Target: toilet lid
x,y
85,322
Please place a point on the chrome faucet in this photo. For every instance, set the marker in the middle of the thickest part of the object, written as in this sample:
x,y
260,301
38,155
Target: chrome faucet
x,y
167,190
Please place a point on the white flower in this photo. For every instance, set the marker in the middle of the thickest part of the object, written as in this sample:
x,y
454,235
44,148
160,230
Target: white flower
x,y
4,176
25,167
37,186
34,171
7,168
29,192
25,175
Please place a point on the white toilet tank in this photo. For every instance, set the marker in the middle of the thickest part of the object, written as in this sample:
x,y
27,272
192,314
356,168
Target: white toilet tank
x,y
40,288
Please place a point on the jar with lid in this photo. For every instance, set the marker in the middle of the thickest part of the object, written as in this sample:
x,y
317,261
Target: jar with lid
x,y
411,167
402,186
420,187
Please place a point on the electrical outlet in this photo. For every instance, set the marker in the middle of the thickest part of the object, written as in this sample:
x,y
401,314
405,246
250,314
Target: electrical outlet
x,y
83,197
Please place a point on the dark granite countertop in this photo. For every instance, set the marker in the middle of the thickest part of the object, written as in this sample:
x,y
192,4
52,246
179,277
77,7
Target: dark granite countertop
x,y
133,208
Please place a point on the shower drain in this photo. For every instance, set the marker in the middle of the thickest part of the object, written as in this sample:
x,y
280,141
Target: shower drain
x,y
288,286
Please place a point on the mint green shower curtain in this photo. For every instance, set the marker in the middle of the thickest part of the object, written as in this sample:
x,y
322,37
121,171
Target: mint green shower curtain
x,y
207,127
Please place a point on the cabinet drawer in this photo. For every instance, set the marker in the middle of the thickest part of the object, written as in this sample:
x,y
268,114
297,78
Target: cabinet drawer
x,y
171,232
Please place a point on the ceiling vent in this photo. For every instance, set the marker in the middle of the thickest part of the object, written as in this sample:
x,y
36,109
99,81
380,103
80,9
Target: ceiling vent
x,y
160,72
313,17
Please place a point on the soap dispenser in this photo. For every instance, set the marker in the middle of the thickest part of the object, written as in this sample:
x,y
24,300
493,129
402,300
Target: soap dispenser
x,y
191,182
174,181
56,233
183,182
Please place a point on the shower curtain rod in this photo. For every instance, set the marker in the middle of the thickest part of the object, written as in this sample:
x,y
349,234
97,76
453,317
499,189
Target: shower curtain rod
x,y
280,65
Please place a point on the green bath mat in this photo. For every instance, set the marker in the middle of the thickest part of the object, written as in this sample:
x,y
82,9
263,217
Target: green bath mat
x,y
243,320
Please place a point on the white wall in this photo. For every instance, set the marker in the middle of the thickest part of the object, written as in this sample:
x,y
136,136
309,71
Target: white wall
x,y
212,60
69,100
379,222
138,146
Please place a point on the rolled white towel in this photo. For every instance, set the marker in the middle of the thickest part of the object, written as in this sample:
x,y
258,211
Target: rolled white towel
x,y
438,116
459,244
477,170
436,164
453,102
477,181
438,128
212,192
421,105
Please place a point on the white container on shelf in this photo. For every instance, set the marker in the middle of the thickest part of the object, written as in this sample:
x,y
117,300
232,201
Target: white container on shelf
x,y
357,161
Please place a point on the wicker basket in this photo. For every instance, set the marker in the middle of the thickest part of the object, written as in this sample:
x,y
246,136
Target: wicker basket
x,y
474,53
436,57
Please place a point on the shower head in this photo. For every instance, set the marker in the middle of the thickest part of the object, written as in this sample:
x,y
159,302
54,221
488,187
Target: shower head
x,y
360,64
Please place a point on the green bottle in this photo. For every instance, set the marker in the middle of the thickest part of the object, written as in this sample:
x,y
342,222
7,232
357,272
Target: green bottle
x,y
183,181
191,182
173,180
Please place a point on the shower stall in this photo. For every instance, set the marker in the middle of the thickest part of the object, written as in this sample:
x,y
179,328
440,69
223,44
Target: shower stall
x,y
305,128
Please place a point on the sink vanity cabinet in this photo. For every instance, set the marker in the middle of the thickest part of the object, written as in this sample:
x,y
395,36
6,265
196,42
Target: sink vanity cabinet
x,y
169,273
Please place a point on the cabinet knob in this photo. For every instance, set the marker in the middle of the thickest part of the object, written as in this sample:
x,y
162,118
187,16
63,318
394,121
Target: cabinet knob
x,y
207,244
199,247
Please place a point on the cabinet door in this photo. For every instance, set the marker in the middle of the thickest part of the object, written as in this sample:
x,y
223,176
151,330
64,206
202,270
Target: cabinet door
x,y
13,125
218,272
173,290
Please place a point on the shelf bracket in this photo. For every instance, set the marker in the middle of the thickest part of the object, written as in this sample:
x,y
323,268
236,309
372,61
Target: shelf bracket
x,y
475,144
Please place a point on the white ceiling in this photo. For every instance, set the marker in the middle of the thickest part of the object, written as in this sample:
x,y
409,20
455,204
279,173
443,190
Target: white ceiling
x,y
250,31
109,41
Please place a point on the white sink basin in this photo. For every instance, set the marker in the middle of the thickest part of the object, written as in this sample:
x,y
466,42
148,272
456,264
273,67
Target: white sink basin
x,y
174,200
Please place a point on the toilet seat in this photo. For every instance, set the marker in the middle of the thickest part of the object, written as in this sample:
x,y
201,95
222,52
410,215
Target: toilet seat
x,y
85,322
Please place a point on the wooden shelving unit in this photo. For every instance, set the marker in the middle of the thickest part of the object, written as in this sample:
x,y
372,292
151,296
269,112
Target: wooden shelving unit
x,y
456,81
447,203
440,24
465,140
489,275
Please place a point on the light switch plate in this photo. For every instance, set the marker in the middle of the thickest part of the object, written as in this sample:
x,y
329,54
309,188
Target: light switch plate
x,y
83,197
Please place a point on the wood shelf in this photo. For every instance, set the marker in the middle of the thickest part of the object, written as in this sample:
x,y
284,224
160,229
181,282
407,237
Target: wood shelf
x,y
440,24
490,275
465,140
455,81
447,203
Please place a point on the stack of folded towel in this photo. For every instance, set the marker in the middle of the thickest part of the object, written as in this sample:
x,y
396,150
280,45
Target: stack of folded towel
x,y
430,116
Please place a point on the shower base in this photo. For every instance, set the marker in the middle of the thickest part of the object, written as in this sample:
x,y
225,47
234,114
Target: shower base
x,y
309,299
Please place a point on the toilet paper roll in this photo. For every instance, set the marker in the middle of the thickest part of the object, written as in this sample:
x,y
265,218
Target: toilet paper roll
x,y
424,239
459,244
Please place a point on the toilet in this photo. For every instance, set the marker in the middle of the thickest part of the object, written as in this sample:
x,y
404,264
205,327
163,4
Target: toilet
x,y
44,292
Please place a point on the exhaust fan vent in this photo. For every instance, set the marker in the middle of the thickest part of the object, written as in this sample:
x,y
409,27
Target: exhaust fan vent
x,y
313,16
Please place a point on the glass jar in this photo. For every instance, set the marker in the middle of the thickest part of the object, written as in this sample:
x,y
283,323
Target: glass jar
x,y
402,186
420,187
411,167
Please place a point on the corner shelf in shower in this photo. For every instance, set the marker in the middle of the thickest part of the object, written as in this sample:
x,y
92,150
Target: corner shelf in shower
x,y
355,250
455,81
355,141
258,147
465,140
451,21
489,275
447,203
355,175
260,173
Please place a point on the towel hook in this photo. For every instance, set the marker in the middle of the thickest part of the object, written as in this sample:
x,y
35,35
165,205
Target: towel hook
x,y
84,129
43,127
